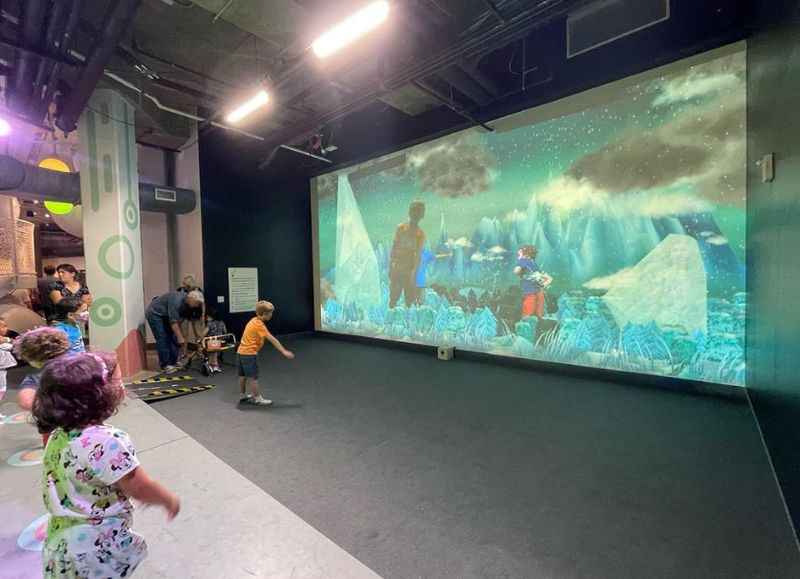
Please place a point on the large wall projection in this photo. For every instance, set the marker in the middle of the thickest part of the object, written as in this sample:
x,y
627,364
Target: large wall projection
x,y
606,230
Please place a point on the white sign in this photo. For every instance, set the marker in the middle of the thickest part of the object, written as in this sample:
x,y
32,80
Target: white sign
x,y
242,289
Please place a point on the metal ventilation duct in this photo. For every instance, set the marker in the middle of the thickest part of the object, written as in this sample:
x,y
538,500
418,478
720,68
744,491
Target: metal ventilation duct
x,y
19,179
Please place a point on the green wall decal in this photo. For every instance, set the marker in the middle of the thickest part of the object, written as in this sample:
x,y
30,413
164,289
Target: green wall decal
x,y
93,177
102,257
131,215
106,312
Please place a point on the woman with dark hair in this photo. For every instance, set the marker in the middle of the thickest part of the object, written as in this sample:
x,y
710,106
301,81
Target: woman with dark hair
x,y
67,285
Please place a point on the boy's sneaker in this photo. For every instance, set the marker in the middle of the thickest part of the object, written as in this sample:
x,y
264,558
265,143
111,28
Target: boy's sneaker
x,y
170,369
261,401
246,398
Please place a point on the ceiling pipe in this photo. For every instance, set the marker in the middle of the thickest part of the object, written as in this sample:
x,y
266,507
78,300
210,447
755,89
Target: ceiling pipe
x,y
306,153
178,112
63,44
56,21
461,80
451,105
494,10
27,59
219,14
118,18
67,61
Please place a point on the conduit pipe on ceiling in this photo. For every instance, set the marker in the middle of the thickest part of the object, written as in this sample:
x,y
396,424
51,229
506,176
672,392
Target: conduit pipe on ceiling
x,y
117,21
177,112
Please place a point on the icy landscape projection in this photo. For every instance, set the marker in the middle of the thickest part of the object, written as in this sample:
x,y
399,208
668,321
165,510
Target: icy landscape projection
x,y
612,236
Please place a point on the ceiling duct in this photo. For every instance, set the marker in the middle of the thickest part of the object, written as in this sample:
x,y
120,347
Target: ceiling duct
x,y
605,21
116,23
19,179
27,60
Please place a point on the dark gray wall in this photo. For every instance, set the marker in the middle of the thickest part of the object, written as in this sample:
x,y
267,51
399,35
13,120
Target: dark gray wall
x,y
773,254
248,222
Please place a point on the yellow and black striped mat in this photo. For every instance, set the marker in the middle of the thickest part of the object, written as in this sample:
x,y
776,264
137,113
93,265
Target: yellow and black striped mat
x,y
162,379
165,387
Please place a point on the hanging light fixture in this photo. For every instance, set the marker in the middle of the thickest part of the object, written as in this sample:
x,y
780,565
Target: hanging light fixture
x,y
351,28
57,207
254,103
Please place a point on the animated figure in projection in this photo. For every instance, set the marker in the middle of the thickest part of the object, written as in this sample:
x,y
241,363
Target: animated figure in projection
x,y
606,233
404,259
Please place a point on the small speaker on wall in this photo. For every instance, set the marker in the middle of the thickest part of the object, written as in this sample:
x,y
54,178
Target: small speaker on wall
x,y
605,21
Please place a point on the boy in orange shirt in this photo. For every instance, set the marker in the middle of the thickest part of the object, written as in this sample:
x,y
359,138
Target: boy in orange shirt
x,y
247,359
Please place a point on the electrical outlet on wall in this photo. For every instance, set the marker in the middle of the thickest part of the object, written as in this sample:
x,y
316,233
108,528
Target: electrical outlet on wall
x,y
768,168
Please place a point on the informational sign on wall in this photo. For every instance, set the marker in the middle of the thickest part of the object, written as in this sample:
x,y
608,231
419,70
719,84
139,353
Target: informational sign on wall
x,y
242,289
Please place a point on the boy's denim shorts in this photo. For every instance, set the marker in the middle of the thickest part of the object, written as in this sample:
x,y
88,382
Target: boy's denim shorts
x,y
247,366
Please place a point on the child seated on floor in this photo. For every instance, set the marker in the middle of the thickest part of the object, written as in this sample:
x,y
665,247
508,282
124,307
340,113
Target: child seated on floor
x,y
6,359
215,328
91,472
68,317
37,347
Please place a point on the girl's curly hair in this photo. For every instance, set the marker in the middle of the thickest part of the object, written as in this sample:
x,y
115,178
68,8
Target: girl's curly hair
x,y
76,391
41,344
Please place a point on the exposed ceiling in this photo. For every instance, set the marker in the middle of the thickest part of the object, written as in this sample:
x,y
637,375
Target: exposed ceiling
x,y
437,64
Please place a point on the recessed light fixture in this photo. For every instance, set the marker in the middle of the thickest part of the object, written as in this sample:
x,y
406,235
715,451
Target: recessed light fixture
x,y
5,127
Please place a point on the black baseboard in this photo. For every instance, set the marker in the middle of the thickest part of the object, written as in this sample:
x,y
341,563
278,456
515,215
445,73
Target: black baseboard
x,y
726,391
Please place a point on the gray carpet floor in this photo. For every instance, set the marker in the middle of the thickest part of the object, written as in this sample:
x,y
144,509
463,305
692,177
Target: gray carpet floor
x,y
421,468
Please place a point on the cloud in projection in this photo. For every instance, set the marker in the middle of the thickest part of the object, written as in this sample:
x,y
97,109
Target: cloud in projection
x,y
701,146
459,169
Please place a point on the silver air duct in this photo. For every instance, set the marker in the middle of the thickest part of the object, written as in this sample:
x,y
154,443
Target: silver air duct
x,y
28,181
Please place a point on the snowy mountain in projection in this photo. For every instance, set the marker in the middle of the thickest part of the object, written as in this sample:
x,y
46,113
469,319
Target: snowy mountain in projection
x,y
357,277
667,287
578,247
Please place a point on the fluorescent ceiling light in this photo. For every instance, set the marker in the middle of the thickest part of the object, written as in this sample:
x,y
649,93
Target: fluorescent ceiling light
x,y
351,28
5,127
256,101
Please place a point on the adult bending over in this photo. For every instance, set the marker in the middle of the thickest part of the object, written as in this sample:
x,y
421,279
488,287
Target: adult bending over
x,y
192,324
164,315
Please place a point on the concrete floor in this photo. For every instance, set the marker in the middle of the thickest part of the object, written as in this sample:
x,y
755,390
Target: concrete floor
x,y
228,527
421,468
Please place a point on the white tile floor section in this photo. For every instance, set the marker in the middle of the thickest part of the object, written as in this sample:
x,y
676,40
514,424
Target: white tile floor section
x,y
228,527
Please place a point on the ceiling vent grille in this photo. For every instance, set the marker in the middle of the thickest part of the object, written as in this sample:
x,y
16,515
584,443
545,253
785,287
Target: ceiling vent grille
x,y
605,21
166,195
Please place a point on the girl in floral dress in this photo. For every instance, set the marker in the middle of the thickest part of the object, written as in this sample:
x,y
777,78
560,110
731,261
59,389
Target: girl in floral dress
x,y
90,472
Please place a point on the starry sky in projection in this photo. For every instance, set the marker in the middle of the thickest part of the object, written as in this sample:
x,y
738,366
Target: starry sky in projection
x,y
671,145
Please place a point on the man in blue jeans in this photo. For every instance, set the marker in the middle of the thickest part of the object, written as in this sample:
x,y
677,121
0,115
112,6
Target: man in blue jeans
x,y
164,315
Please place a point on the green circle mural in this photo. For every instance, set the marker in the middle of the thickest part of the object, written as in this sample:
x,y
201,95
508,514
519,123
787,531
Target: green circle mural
x,y
131,215
102,257
106,312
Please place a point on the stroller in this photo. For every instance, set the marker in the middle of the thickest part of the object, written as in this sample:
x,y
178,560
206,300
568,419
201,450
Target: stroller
x,y
206,346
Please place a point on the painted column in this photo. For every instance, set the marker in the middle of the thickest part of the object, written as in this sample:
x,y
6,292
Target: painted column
x,y
111,232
